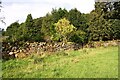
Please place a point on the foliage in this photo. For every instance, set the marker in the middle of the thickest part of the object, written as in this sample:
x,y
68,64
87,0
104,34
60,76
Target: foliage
x,y
74,16
29,27
12,32
77,19
78,36
58,14
116,13
54,35
112,10
46,24
29,21
116,29
99,24
37,35
99,27
64,28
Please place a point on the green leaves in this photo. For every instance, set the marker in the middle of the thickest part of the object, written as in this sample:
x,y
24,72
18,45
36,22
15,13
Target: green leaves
x,y
12,31
78,36
99,27
29,21
72,25
74,16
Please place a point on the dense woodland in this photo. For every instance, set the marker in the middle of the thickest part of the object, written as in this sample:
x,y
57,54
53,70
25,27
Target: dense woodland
x,y
61,25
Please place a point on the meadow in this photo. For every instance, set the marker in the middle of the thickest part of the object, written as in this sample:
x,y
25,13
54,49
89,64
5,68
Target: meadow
x,y
85,63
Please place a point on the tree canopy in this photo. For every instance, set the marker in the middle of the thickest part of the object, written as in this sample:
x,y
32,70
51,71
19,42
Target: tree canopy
x,y
102,23
64,28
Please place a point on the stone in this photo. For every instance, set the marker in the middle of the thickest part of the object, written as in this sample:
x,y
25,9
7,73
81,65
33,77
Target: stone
x,y
16,55
11,53
15,52
20,50
21,55
114,44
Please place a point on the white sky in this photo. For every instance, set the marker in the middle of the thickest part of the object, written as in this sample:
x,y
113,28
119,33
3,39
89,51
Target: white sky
x,y
14,10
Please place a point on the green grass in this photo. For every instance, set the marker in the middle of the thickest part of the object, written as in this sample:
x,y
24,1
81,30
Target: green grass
x,y
84,63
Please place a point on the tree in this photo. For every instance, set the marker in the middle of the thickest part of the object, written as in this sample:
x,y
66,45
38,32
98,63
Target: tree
x,y
29,21
110,12
116,10
99,28
11,31
74,16
116,29
36,32
29,27
48,23
112,9
64,28
78,36
58,14
22,33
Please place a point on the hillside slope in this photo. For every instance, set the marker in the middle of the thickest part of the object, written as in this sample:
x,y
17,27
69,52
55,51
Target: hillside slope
x,y
84,63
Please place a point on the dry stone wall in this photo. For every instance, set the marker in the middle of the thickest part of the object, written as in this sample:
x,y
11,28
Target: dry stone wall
x,y
41,47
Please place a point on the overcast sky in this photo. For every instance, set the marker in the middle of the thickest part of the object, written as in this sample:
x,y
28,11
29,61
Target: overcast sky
x,y
14,10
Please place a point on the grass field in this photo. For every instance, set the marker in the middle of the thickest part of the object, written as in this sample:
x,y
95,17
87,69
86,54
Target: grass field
x,y
84,63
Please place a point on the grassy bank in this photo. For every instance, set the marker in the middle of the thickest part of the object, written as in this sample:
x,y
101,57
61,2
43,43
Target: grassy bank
x,y
84,63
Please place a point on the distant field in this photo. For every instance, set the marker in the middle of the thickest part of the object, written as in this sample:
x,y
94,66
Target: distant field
x,y
84,63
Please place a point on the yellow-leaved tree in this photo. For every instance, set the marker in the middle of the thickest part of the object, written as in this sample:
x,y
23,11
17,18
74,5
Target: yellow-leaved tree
x,y
64,28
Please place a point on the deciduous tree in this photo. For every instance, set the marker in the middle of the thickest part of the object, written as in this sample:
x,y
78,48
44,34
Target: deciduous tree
x,y
64,28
